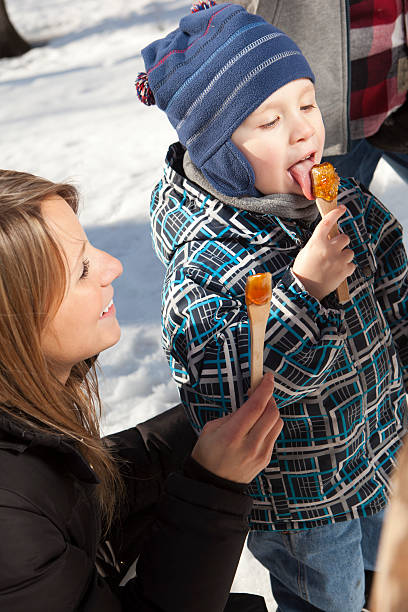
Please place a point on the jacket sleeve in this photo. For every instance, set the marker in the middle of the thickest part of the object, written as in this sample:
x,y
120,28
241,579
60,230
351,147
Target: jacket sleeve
x,y
147,454
187,534
189,560
390,273
40,570
207,338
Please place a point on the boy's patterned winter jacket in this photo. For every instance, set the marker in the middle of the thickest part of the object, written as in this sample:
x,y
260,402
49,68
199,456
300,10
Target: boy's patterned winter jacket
x,y
339,370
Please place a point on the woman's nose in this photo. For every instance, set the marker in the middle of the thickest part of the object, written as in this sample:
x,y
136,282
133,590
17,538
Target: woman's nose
x,y
111,268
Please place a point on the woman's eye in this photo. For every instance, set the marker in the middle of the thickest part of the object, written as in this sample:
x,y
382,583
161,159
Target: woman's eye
x,y
85,268
308,107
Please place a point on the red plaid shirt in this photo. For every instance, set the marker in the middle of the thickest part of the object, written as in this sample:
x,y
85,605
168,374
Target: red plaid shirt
x,y
379,62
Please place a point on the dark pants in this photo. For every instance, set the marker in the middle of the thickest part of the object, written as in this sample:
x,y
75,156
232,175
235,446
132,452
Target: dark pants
x,y
245,602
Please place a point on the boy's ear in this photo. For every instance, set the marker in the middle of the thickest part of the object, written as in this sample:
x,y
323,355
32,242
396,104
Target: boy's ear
x,y
229,172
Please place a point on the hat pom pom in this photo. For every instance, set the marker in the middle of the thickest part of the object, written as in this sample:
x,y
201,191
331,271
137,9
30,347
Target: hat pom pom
x,y
144,93
201,6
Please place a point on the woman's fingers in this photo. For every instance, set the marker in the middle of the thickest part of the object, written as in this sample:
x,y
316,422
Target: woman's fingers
x,y
242,421
268,421
268,444
212,426
238,446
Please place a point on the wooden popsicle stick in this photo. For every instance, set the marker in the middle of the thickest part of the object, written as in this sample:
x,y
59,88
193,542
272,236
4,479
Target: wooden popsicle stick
x,y
325,184
258,316
258,294
325,206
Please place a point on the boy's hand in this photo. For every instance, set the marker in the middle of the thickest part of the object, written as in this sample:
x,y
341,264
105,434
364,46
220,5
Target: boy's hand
x,y
238,446
324,263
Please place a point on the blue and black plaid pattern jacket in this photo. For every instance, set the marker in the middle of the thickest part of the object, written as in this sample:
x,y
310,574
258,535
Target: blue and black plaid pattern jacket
x,y
340,371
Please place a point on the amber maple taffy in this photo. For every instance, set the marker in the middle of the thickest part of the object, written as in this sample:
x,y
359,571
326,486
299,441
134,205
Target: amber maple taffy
x,y
325,184
258,293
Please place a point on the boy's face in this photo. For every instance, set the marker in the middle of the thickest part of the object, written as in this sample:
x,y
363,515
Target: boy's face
x,y
278,136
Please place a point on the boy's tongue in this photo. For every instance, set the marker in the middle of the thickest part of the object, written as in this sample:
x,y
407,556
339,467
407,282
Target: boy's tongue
x,y
300,172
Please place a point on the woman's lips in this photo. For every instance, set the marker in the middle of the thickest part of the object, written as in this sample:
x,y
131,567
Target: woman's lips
x,y
108,311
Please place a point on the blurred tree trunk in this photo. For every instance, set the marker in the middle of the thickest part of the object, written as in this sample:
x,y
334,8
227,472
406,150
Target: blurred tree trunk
x,y
11,43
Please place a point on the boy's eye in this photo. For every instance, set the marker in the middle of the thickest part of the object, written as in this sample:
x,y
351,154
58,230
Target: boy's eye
x,y
270,123
85,268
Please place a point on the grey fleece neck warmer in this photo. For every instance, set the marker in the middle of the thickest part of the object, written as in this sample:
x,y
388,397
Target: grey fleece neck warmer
x,y
284,205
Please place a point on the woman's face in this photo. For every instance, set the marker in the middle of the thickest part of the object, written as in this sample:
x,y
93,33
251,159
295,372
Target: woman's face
x,y
85,323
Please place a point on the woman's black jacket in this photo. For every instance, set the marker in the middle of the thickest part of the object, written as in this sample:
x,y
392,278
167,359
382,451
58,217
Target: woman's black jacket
x,y
186,533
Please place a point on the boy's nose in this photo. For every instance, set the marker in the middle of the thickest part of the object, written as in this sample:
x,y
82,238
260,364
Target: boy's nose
x,y
302,129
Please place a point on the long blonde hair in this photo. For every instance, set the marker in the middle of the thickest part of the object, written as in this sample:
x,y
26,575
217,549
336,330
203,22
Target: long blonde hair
x,y
32,286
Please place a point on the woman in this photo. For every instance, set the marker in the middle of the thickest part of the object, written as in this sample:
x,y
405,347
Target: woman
x,y
62,487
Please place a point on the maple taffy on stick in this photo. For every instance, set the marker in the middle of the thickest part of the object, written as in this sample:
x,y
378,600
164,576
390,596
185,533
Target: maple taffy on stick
x,y
325,184
258,292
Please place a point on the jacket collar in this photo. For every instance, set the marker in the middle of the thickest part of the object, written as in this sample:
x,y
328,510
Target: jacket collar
x,y
286,206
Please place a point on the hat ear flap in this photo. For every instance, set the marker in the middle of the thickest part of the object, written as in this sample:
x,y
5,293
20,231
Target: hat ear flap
x,y
229,172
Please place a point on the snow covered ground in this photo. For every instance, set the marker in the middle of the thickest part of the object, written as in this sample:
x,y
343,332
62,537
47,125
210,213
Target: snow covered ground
x,y
68,110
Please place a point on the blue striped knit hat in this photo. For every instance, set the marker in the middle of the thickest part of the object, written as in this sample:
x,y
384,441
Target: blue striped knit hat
x,y
208,75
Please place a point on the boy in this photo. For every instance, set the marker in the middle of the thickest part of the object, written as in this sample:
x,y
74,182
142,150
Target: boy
x,y
232,203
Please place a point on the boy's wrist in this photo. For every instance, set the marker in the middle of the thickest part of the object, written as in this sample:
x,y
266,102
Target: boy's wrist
x,y
330,300
311,287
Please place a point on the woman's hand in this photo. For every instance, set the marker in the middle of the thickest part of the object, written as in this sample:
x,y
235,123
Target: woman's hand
x,y
238,446
324,263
